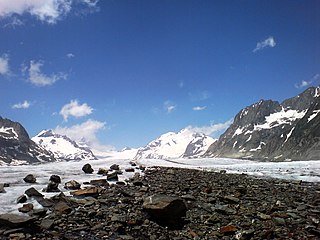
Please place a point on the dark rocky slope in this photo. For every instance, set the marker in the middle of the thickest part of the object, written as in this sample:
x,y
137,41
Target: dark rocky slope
x,y
270,131
217,205
16,146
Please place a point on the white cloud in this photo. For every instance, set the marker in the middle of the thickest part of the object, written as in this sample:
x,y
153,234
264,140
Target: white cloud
x,y
4,65
85,132
23,105
305,83
169,107
269,42
198,108
181,84
70,55
49,11
211,129
37,78
75,109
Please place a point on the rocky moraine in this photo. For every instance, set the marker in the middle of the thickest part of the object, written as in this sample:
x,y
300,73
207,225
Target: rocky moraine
x,y
169,203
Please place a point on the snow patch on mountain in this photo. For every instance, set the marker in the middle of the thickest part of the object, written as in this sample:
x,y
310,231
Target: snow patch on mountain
x,y
63,147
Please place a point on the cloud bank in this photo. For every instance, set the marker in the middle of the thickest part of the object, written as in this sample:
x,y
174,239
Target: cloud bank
x,y
269,42
75,109
49,11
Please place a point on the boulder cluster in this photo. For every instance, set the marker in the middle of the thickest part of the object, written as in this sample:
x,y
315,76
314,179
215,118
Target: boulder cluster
x,y
168,203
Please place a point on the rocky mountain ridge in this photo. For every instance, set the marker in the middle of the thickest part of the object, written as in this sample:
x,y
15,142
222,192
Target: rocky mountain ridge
x,y
16,146
273,131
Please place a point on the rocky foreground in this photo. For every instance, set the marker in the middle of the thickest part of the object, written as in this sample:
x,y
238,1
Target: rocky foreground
x,y
167,203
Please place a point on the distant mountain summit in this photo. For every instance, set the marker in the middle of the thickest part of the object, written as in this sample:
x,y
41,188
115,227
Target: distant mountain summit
x,y
17,148
185,143
272,131
62,146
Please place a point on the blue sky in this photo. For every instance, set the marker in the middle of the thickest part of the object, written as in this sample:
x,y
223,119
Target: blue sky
x,y
120,73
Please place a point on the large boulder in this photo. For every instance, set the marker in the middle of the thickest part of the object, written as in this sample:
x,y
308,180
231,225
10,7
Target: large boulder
x,y
32,192
72,185
53,184
30,178
87,168
166,210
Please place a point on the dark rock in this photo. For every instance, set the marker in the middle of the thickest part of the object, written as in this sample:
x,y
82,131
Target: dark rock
x,y
32,192
55,179
72,185
45,202
133,164
22,199
52,187
102,171
13,220
166,210
99,182
115,167
46,223
26,208
2,188
62,208
87,168
86,192
38,212
129,169
112,176
30,178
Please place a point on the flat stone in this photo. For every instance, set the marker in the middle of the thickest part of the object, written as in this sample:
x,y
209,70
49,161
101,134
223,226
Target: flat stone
x,y
230,229
13,220
32,192
99,182
224,209
129,170
263,216
45,202
231,199
46,223
86,191
62,208
26,208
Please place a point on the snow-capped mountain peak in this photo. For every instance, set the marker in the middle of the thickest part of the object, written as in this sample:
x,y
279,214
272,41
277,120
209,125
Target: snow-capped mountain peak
x,y
185,143
62,146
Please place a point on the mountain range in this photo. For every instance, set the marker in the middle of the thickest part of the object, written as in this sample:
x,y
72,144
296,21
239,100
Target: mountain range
x,y
273,131
265,131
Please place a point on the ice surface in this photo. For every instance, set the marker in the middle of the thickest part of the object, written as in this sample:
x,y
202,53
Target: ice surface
x,y
71,170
